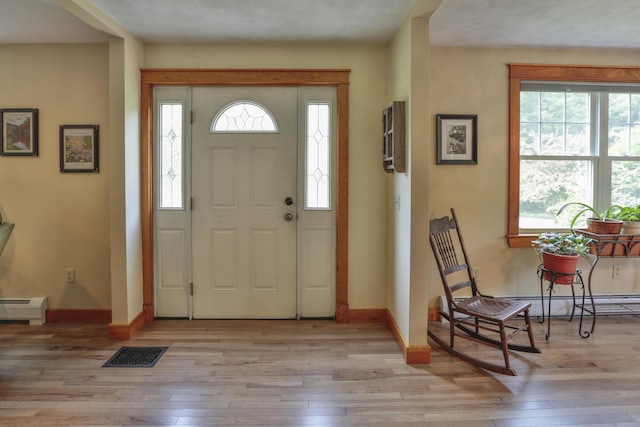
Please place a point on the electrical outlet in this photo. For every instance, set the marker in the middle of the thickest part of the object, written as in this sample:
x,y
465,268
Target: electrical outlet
x,y
616,271
476,273
70,274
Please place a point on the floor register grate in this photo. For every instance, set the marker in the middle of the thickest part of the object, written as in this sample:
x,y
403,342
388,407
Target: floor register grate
x,y
135,357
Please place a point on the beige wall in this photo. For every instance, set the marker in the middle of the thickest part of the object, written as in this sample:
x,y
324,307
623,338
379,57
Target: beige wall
x,y
62,220
475,81
81,209
367,98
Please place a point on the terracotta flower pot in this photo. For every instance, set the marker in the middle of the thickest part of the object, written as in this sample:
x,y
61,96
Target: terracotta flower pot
x,y
566,264
607,226
631,227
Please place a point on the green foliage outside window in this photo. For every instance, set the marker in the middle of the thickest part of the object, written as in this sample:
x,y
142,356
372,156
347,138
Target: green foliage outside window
x,y
561,157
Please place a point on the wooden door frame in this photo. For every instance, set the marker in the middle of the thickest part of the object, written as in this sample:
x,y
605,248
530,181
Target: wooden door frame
x,y
243,77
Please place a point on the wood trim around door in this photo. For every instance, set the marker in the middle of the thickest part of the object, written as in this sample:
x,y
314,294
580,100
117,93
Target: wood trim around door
x,y
241,77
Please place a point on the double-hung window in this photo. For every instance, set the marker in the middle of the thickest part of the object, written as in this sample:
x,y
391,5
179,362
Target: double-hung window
x,y
574,136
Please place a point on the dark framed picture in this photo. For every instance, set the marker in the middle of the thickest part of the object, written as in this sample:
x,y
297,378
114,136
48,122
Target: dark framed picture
x,y
19,132
79,148
456,139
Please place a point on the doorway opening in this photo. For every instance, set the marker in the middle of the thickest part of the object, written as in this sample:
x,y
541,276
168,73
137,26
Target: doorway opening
x,y
336,78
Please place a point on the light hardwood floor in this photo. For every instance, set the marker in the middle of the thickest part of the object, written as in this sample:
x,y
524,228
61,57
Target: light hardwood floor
x,y
312,373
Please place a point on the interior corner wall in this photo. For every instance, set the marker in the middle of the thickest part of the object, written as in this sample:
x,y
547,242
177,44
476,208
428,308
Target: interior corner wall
x,y
407,199
117,185
419,170
134,54
475,81
62,219
367,98
125,188
399,187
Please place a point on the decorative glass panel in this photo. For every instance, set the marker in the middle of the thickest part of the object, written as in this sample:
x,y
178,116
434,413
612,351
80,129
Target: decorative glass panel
x,y
171,148
318,157
244,116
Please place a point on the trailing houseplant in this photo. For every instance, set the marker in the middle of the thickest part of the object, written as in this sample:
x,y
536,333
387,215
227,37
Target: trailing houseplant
x,y
560,252
600,222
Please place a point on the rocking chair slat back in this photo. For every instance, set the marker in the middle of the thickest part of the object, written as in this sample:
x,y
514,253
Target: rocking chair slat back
x,y
458,286
446,249
447,257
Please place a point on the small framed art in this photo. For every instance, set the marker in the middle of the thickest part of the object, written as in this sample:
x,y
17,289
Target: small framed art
x,y
19,132
456,139
79,148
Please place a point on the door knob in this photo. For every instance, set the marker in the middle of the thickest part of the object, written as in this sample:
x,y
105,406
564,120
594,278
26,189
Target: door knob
x,y
288,216
288,201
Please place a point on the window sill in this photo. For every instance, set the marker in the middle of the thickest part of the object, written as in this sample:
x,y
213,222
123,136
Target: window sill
x,y
520,240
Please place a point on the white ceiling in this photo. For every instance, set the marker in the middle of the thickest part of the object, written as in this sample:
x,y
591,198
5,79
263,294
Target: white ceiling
x,y
201,21
503,23
538,23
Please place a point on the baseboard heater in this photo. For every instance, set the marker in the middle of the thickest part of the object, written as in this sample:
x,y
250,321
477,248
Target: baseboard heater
x,y
26,309
606,305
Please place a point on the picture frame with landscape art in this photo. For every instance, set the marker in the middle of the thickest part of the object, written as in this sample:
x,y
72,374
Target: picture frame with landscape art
x,y
457,139
79,148
19,136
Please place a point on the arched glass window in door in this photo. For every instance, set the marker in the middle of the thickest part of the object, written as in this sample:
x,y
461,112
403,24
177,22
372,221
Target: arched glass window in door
x,y
244,116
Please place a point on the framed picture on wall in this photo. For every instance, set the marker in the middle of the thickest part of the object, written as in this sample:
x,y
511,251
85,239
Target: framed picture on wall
x,y
19,132
456,139
79,148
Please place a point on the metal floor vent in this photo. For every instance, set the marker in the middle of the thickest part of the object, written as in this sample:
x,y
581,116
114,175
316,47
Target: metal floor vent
x,y
135,357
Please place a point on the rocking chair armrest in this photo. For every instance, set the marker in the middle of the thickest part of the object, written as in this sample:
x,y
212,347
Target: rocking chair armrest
x,y
484,295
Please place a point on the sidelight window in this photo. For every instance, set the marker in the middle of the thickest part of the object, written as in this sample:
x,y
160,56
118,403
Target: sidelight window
x,y
170,154
318,156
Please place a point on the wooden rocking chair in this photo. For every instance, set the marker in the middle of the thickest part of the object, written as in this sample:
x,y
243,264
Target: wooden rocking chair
x,y
480,318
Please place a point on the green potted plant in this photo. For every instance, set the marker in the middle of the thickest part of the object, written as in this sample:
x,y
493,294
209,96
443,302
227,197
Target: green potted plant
x,y
630,216
599,223
560,252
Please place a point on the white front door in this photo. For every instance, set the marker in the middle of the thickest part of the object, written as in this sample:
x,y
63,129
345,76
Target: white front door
x,y
244,188
234,252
